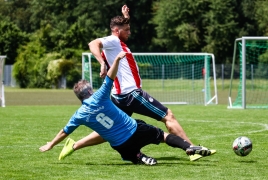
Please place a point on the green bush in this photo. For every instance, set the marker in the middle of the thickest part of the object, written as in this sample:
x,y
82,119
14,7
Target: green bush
x,y
26,70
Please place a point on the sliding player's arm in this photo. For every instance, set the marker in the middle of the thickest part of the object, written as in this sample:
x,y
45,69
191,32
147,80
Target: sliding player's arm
x,y
114,68
57,139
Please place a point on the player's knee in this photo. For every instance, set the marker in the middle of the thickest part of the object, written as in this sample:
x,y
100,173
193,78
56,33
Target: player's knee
x,y
170,116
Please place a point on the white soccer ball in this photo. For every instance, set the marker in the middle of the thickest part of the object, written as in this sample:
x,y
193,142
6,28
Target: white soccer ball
x,y
242,146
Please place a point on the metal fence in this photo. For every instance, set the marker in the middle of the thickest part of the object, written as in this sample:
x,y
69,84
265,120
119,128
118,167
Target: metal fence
x,y
223,72
11,82
8,79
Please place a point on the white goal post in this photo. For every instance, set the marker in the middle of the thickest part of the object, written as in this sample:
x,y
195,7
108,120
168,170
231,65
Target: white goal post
x,y
171,78
2,92
249,89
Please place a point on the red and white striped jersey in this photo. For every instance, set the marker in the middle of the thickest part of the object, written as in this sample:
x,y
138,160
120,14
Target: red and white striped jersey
x,y
128,78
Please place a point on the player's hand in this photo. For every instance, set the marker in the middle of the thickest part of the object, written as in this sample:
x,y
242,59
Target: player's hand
x,y
125,11
103,71
121,55
46,147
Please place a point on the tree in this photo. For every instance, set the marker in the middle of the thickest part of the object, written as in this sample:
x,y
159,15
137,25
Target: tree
x,y
11,38
220,29
51,12
261,17
73,26
142,31
18,12
178,24
245,10
196,26
26,71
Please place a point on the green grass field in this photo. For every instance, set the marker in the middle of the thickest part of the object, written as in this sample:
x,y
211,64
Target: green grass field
x,y
33,117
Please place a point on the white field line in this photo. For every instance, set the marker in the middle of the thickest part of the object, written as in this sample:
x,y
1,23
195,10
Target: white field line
x,y
27,146
264,128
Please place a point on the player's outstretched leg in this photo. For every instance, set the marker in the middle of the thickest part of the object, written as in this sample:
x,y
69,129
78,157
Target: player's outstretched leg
x,y
67,149
143,159
194,152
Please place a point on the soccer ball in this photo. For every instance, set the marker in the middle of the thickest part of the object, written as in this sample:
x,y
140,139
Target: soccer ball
x,y
242,146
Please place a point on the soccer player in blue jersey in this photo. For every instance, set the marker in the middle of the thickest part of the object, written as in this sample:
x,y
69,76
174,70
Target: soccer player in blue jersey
x,y
125,135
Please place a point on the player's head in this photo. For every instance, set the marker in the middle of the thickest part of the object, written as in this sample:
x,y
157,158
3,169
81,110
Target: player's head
x,y
82,90
120,27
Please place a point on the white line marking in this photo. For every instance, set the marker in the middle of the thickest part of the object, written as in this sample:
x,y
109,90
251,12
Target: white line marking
x,y
265,128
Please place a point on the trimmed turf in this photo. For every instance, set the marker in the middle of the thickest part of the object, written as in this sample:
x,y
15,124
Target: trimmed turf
x,y
25,127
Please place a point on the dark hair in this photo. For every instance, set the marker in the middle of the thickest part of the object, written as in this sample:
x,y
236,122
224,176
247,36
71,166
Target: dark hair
x,y
118,21
82,89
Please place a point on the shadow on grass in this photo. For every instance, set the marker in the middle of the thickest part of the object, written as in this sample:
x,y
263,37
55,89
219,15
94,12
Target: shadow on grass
x,y
170,158
158,164
65,163
166,161
249,161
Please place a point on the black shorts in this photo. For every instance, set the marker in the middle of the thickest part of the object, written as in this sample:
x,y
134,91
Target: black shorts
x,y
144,135
140,102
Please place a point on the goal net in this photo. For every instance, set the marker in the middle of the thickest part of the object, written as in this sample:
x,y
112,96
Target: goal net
x,y
2,93
171,78
249,82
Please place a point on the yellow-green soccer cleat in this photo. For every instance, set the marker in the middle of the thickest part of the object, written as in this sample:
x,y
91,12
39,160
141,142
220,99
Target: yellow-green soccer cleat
x,y
212,151
195,157
67,149
197,152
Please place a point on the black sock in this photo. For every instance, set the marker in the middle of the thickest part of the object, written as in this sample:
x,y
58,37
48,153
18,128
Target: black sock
x,y
176,141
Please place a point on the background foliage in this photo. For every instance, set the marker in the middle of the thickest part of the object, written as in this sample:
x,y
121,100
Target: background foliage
x,y
35,29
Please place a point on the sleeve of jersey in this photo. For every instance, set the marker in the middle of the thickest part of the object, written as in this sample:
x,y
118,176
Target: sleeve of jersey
x,y
71,125
108,42
105,90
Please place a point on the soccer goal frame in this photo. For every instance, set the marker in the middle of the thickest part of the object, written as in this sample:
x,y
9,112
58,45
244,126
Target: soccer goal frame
x,y
200,76
2,88
240,100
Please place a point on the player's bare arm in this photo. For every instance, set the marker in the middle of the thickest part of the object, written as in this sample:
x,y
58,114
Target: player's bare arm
x,y
113,70
58,138
125,11
95,48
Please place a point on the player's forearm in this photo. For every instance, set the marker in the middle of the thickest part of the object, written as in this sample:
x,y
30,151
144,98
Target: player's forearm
x,y
58,138
126,16
95,48
114,68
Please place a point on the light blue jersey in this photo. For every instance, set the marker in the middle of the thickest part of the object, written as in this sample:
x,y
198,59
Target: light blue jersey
x,y
100,114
